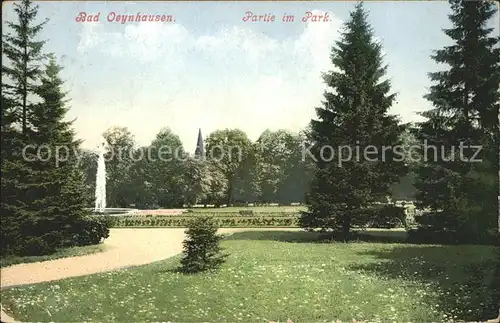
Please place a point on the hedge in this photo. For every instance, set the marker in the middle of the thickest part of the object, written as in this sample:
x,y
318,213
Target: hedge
x,y
242,213
223,222
379,216
383,216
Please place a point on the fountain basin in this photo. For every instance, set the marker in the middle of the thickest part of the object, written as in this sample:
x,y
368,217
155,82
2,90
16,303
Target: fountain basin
x,y
114,211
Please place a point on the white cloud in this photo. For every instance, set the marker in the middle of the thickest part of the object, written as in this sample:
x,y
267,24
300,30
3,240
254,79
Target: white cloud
x,y
259,82
145,42
89,37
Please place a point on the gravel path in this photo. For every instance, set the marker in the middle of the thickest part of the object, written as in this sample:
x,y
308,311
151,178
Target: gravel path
x,y
124,248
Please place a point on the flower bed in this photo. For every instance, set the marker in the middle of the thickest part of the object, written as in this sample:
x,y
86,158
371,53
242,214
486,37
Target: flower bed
x,y
225,214
160,212
223,222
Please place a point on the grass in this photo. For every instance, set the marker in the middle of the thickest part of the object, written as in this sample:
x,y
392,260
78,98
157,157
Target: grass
x,y
61,253
257,209
273,275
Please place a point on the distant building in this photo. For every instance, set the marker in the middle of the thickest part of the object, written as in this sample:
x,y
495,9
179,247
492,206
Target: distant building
x,y
200,148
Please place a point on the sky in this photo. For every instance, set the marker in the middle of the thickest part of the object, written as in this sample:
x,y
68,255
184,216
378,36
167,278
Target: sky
x,y
209,69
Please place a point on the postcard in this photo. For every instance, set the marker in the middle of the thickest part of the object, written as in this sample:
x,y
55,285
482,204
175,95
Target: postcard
x,y
250,161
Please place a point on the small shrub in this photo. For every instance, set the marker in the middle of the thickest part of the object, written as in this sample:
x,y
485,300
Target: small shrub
x,y
246,212
201,246
92,230
36,246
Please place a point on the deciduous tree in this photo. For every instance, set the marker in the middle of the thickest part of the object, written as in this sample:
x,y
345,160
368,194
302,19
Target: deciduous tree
x,y
228,149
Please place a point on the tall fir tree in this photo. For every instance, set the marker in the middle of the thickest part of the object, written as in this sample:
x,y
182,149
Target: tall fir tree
x,y
22,57
354,114
462,193
13,170
59,184
42,203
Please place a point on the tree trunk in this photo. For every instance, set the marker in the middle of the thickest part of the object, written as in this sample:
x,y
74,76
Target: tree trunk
x,y
346,226
229,195
25,88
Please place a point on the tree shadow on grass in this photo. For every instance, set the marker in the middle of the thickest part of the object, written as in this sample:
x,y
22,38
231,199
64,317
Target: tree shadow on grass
x,y
283,236
380,236
466,279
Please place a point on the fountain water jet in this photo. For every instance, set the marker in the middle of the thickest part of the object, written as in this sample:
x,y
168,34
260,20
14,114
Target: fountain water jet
x,y
100,190
100,184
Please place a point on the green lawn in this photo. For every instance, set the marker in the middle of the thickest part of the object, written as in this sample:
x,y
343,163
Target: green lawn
x,y
62,253
257,209
278,276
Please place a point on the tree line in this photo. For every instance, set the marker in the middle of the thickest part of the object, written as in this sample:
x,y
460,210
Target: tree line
x,y
233,170
229,169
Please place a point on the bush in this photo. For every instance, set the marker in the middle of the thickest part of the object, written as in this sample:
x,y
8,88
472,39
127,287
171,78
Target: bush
x,y
36,246
201,246
388,216
437,220
374,216
380,216
456,226
447,236
107,220
246,212
92,230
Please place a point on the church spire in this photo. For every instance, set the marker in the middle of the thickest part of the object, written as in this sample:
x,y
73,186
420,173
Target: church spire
x,y
200,149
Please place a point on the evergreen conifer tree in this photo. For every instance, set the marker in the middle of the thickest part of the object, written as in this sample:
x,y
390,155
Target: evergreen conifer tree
x,y
42,194
463,193
23,56
355,115
59,184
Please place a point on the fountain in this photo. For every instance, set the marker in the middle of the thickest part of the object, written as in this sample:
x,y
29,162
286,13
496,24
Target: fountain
x,y
100,183
100,189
